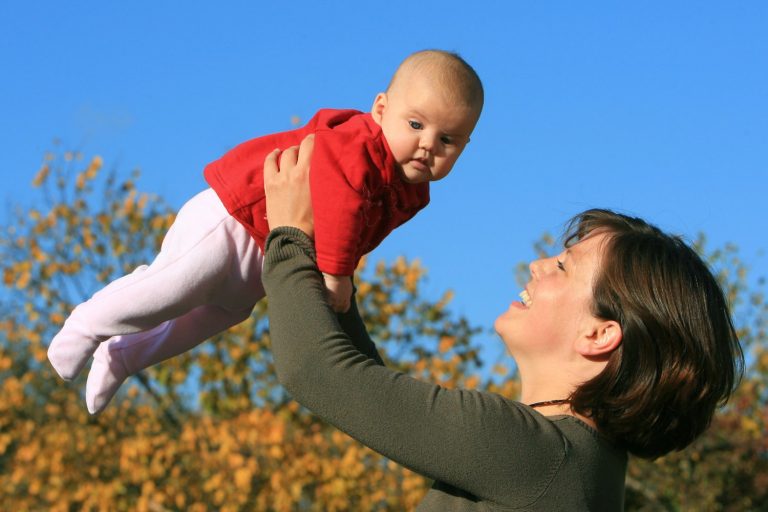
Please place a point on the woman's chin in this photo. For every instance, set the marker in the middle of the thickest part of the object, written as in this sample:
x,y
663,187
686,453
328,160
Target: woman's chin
x,y
500,326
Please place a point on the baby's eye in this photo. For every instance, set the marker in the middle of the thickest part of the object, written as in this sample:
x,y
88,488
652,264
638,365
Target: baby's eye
x,y
415,125
445,139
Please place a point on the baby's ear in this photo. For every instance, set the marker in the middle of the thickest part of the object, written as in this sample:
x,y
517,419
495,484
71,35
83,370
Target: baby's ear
x,y
379,106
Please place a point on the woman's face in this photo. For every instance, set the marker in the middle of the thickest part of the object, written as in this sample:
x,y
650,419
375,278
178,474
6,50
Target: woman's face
x,y
557,311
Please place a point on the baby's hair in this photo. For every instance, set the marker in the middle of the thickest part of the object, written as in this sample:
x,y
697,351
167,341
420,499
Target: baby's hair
x,y
456,77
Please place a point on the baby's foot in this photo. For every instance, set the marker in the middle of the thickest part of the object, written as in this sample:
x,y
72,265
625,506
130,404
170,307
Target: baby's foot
x,y
71,348
117,359
107,374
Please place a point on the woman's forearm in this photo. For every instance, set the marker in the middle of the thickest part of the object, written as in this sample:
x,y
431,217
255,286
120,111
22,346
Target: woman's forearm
x,y
309,339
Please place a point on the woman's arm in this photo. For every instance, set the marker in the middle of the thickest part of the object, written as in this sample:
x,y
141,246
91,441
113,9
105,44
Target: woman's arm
x,y
474,441
353,326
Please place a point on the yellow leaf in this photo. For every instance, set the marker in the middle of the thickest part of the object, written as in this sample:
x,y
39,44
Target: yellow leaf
x,y
7,276
446,343
88,238
243,479
41,175
23,280
143,198
94,167
129,204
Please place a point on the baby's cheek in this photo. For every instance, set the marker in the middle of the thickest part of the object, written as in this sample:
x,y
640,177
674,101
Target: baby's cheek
x,y
443,169
400,155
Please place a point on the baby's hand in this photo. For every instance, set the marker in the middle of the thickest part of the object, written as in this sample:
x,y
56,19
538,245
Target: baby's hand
x,y
339,291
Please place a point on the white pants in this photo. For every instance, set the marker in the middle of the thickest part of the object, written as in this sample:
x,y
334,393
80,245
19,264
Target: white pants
x,y
206,278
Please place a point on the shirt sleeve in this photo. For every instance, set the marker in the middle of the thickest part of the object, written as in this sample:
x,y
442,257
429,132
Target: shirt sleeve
x,y
482,443
340,182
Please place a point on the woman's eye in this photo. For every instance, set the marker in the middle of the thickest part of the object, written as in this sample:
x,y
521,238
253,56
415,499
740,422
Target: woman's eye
x,y
560,265
415,125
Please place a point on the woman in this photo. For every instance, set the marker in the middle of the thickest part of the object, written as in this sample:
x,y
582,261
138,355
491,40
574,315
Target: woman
x,y
623,342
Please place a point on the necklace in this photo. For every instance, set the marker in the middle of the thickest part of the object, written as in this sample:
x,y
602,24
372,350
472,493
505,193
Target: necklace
x,y
550,402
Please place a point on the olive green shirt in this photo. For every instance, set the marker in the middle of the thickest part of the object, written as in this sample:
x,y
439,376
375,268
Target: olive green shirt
x,y
484,451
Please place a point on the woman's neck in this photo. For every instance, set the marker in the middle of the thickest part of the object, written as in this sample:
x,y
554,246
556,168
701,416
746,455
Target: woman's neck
x,y
549,393
543,386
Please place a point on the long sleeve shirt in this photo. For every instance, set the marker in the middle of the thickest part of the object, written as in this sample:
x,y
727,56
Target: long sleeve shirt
x,y
358,196
484,451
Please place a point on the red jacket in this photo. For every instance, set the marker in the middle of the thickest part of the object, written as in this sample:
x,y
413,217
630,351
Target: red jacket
x,y
358,197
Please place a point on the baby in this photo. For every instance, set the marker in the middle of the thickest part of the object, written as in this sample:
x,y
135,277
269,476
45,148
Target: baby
x,y
370,174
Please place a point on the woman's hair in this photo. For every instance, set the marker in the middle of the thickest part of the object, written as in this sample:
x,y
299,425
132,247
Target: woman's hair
x,y
679,358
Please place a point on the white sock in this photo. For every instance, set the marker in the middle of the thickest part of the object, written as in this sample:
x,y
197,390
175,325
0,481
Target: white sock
x,y
105,377
119,358
71,348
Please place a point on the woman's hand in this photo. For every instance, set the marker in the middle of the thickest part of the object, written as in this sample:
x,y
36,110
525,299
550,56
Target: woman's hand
x,y
286,187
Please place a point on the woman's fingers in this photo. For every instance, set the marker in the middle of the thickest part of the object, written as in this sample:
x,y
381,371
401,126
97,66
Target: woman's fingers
x,y
305,152
286,187
292,159
270,166
288,159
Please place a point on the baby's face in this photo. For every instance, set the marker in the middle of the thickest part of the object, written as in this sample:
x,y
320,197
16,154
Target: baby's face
x,y
425,132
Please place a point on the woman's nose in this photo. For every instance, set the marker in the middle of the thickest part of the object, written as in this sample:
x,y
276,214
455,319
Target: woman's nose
x,y
541,266
534,268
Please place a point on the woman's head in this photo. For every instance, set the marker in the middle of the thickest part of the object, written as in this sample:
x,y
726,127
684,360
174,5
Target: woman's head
x,y
554,325
679,356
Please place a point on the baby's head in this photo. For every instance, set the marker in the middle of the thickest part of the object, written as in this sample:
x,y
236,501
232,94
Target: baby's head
x,y
428,113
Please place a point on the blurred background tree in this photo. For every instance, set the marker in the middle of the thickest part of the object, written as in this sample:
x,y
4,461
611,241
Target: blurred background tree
x,y
213,430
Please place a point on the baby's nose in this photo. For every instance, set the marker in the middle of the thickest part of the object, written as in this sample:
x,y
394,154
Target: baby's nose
x,y
427,143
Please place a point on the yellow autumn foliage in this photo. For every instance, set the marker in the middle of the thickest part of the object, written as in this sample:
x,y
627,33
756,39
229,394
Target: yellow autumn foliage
x,y
213,430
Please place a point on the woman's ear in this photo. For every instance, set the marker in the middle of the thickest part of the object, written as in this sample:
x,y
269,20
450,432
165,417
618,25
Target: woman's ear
x,y
601,340
379,106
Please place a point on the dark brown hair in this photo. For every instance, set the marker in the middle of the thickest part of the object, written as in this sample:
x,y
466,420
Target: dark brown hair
x,y
679,358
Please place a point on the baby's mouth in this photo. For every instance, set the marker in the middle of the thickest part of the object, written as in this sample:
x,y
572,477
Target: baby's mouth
x,y
526,298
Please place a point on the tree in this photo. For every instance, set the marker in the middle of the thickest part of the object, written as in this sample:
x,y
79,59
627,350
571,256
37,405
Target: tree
x,y
208,429
212,429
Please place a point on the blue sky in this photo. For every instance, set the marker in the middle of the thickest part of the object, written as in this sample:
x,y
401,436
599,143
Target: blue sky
x,y
659,109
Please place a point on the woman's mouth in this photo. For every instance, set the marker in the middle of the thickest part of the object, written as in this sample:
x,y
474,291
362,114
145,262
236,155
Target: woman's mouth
x,y
526,298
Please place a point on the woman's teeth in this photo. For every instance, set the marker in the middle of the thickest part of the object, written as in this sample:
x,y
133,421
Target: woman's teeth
x,y
526,298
